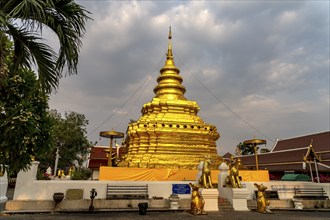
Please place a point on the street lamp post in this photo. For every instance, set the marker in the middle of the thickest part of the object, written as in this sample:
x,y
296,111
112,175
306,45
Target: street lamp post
x,y
93,194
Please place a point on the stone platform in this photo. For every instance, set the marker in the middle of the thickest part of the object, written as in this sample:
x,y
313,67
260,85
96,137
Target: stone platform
x,y
14,206
99,204
287,204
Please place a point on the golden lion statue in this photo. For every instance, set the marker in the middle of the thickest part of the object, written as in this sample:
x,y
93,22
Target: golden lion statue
x,y
233,179
205,180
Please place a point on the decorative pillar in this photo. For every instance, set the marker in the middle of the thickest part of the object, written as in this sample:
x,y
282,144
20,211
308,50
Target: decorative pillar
x,y
317,171
210,197
256,156
25,178
222,175
239,200
236,196
200,170
174,202
3,186
310,169
56,160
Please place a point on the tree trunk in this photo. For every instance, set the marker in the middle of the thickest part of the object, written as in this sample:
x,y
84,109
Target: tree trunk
x,y
3,50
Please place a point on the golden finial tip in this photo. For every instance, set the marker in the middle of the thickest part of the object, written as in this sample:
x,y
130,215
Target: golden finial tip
x,y
169,50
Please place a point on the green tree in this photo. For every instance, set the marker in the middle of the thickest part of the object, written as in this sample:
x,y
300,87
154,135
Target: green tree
x,y
25,124
24,20
248,149
264,150
69,133
245,149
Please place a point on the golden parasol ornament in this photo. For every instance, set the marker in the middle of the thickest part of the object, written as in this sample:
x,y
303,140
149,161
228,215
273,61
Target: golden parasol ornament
x,y
112,135
255,143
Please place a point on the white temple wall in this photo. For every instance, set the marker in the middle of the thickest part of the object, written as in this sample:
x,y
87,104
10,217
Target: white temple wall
x,y
28,188
285,188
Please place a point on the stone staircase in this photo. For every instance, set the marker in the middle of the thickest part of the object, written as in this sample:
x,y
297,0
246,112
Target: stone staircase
x,y
224,205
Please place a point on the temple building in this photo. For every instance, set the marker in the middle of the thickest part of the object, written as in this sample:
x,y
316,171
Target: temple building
x,y
170,134
308,154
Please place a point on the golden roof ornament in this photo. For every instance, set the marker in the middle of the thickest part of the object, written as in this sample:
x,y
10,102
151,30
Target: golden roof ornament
x,y
311,154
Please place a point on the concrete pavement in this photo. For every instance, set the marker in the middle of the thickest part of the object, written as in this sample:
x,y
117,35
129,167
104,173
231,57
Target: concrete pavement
x,y
174,215
167,215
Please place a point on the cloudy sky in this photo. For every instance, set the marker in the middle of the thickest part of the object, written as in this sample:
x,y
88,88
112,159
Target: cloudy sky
x,y
256,68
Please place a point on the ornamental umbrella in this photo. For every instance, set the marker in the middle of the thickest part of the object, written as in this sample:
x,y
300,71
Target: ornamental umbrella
x,y
255,142
112,135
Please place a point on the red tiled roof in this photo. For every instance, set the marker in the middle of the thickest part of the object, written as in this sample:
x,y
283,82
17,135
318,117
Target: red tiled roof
x,y
96,163
97,158
227,155
288,154
98,152
321,142
276,157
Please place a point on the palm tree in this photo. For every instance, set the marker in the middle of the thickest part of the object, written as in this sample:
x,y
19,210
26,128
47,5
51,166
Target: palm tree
x,y
22,21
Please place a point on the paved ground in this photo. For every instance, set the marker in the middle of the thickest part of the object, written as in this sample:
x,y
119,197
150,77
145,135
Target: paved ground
x,y
227,215
10,195
167,215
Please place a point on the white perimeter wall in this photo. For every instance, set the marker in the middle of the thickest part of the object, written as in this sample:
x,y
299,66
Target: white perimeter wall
x,y
28,188
285,186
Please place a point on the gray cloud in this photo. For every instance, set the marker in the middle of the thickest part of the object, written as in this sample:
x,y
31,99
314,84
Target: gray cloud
x,y
269,62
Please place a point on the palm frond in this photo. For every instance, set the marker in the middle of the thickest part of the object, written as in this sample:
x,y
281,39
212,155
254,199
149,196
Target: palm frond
x,y
28,50
3,21
68,20
25,10
64,17
45,58
21,53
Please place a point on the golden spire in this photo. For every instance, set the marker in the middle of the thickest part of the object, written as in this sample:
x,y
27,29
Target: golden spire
x,y
169,50
169,82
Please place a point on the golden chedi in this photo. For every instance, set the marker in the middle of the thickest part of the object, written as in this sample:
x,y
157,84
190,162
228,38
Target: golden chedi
x,y
169,133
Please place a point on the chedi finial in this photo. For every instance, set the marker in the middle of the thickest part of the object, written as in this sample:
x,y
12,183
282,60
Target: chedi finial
x,y
169,50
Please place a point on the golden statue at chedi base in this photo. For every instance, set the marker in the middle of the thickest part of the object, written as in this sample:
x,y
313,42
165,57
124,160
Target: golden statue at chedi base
x,y
197,202
262,201
232,179
205,180
170,134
